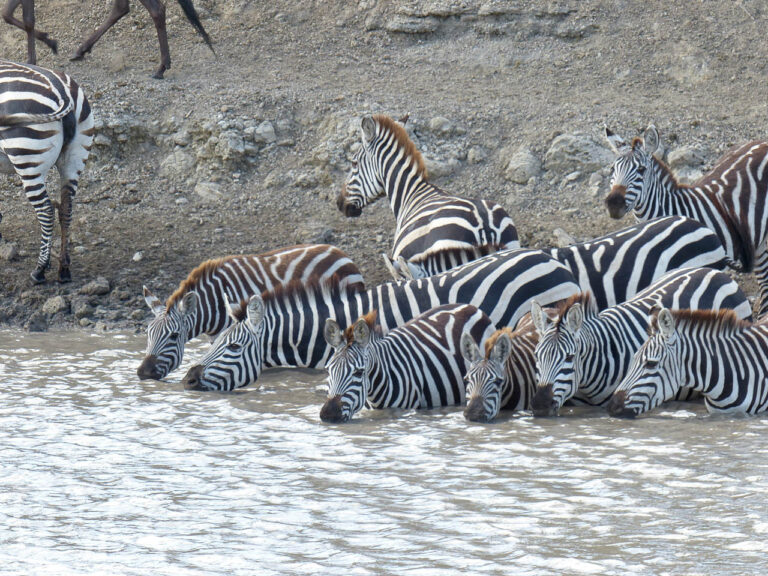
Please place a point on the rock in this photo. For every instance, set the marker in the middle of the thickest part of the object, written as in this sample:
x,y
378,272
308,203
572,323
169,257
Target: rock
x,y
96,287
230,145
81,308
54,305
102,140
84,322
37,322
139,256
411,25
476,155
440,125
209,191
562,238
577,151
8,251
138,315
264,133
177,164
572,177
438,168
522,166
687,163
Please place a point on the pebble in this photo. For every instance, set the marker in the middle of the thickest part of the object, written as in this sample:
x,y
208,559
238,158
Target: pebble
x,y
96,287
8,251
139,256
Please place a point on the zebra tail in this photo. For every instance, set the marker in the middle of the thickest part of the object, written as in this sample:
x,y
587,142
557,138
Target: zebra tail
x,y
191,14
19,119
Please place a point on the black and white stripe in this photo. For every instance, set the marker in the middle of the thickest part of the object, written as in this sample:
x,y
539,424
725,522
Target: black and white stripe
x,y
732,199
428,219
416,365
502,285
45,119
714,353
584,354
198,306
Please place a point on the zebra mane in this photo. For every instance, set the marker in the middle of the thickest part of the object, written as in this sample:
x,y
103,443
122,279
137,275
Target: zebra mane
x,y
370,319
203,270
401,137
724,319
583,298
493,338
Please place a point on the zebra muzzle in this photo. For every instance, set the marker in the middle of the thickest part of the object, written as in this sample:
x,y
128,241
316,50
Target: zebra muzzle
x,y
149,369
616,202
193,380
333,410
544,403
617,405
476,412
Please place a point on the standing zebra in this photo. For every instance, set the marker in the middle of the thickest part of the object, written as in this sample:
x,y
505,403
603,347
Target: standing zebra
x,y
45,119
584,355
197,306
502,285
612,268
416,365
716,353
428,219
730,199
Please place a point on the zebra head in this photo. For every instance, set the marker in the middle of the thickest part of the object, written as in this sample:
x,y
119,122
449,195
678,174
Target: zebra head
x,y
656,372
486,375
365,183
557,358
166,335
629,180
235,359
348,369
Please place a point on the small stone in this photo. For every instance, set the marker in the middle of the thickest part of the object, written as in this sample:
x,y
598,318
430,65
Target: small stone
x,y
438,168
577,151
138,256
522,166
595,179
81,308
102,140
37,322
138,315
181,200
8,251
80,250
572,177
178,163
55,305
84,322
476,155
562,238
96,287
441,125
264,133
208,191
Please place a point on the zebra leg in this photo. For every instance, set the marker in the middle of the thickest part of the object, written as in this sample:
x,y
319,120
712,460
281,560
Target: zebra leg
x,y
157,11
65,219
119,9
38,197
761,272
8,11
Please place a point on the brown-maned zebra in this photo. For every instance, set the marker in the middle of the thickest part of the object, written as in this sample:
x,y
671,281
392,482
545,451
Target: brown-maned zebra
x,y
732,199
45,119
428,219
198,305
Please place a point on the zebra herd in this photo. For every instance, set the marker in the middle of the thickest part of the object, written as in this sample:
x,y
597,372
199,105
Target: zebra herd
x,y
626,321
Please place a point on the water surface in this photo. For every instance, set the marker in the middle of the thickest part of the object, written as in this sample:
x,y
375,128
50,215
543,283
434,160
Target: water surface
x,y
103,474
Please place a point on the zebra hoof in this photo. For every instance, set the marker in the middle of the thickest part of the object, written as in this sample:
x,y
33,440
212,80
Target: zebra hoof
x,y
65,275
38,276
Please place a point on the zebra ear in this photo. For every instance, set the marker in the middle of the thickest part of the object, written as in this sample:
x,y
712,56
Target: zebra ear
x,y
616,142
369,128
362,332
391,268
651,139
255,311
502,348
574,317
539,317
153,302
666,323
404,119
469,350
332,333
188,303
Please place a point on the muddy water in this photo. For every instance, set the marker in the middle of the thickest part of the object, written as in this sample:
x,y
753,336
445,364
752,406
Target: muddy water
x,y
103,474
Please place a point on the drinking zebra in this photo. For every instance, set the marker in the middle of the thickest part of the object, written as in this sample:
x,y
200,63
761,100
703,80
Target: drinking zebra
x,y
45,119
612,268
730,199
197,306
428,219
584,354
716,353
416,365
502,285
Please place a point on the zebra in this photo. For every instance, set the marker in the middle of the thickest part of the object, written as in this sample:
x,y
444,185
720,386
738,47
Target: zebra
x,y
416,365
197,306
502,285
730,199
719,354
435,262
45,119
427,218
584,355
27,23
612,268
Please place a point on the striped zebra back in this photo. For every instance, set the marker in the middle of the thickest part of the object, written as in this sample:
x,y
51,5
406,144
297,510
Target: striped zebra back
x,y
584,354
417,365
198,305
502,285
679,353
428,219
32,95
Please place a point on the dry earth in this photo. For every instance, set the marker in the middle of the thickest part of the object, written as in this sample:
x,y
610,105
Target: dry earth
x,y
245,151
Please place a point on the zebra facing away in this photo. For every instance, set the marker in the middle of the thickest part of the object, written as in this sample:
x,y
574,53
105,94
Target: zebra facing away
x,y
427,219
416,365
45,119
502,285
197,306
584,355
716,353
730,199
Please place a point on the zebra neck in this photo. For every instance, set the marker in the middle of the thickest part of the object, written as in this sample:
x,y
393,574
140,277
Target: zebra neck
x,y
601,341
405,187
391,386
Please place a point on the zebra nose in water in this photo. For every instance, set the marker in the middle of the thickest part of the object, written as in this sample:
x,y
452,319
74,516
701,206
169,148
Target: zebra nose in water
x,y
544,403
617,405
476,412
149,369
193,379
332,410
